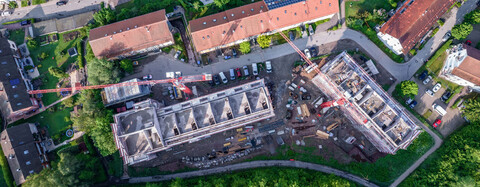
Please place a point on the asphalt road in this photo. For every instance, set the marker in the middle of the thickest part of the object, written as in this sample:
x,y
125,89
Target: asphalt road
x,y
254,164
50,10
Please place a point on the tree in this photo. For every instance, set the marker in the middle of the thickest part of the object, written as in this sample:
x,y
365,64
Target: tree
x,y
196,5
264,41
104,16
126,65
461,31
70,102
221,3
57,72
407,89
101,71
473,17
43,55
12,5
472,110
245,47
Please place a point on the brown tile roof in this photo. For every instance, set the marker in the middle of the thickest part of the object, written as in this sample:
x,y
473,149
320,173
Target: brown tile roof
x,y
415,21
469,69
223,28
130,35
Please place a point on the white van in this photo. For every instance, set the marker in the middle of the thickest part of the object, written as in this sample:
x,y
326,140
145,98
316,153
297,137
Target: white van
x,y
232,74
439,109
223,77
254,69
268,66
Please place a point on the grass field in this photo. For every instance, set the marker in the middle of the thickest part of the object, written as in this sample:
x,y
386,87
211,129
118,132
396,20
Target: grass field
x,y
383,172
353,7
18,36
53,121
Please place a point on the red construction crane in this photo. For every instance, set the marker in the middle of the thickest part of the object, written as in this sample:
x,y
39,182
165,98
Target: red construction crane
x,y
333,103
179,82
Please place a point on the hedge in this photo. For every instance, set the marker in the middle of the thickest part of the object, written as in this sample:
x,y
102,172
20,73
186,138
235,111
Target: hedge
x,y
439,52
18,21
81,60
7,175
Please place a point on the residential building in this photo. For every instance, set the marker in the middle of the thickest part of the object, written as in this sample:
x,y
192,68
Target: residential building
x,y
141,34
247,22
410,23
25,154
149,127
15,102
372,111
117,94
462,66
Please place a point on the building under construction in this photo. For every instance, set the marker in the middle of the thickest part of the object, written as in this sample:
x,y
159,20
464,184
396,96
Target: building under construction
x,y
372,111
149,127
119,93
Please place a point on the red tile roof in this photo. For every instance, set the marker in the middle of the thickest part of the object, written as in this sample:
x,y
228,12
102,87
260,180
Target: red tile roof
x,y
411,22
469,69
130,35
241,23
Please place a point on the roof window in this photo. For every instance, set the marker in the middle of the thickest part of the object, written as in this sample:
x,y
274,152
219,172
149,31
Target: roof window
x,y
214,20
251,9
285,11
28,162
8,74
320,2
208,36
261,21
15,95
233,15
224,17
25,152
4,62
224,32
18,104
261,7
329,4
31,172
203,37
243,12
204,23
278,19
316,8
305,11
106,34
295,13
128,28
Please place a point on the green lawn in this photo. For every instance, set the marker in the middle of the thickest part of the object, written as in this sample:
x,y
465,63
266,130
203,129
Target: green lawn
x,y
53,121
437,63
383,172
55,58
18,36
353,7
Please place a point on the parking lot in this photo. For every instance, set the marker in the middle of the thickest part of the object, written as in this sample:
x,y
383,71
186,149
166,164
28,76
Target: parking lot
x,y
451,120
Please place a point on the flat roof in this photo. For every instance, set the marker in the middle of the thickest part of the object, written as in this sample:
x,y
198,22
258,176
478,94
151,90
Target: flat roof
x,y
382,120
149,128
116,94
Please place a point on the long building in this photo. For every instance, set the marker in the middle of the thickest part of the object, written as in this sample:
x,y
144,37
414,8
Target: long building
x,y
150,128
373,112
141,34
247,22
411,22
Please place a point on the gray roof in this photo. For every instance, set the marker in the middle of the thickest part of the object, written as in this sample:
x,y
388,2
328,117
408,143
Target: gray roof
x,y
21,151
11,81
61,25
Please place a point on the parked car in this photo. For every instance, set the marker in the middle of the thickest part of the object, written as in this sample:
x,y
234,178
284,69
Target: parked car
x,y
245,71
447,36
310,30
430,93
437,123
227,57
408,101
238,72
436,87
291,35
268,66
289,114
254,69
61,3
232,74
468,42
307,53
25,22
177,54
216,79
423,75
413,104
6,13
223,78
427,80
147,77
234,52
313,51
446,95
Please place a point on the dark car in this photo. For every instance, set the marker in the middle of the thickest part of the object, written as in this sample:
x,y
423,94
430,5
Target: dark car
x,y
423,75
234,52
216,79
238,72
363,58
446,95
61,3
313,51
25,22
306,97
413,104
291,35
289,114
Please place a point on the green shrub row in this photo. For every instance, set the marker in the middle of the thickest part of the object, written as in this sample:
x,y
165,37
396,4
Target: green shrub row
x,y
18,21
7,175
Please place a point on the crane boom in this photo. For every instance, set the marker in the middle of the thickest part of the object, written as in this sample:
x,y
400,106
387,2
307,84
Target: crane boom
x,y
176,81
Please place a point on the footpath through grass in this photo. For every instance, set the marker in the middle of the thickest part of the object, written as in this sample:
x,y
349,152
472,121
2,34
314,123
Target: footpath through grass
x,y
383,172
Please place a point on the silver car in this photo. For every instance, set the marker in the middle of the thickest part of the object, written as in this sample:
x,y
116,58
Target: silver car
x,y
436,87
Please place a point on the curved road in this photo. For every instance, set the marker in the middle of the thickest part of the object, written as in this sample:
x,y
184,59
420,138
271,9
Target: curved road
x,y
254,164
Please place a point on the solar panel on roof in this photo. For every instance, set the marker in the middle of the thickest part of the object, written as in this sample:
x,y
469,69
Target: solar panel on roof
x,y
14,82
272,4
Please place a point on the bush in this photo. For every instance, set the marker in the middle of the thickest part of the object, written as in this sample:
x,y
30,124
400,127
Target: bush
x,y
454,106
440,22
435,31
25,3
245,47
80,59
461,31
57,72
126,65
12,5
88,143
37,2
413,52
43,55
32,43
264,41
